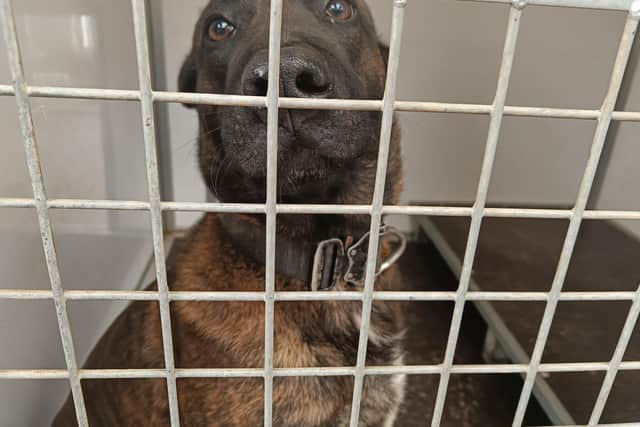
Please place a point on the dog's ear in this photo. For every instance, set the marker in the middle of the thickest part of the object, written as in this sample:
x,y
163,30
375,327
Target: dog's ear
x,y
188,77
384,50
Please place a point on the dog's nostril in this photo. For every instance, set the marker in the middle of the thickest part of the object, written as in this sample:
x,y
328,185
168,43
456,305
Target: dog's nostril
x,y
311,83
261,86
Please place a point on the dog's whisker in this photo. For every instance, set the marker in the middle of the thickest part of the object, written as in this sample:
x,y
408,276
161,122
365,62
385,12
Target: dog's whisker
x,y
221,172
197,138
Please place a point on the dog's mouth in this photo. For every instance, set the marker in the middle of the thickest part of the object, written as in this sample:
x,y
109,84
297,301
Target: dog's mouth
x,y
317,152
305,176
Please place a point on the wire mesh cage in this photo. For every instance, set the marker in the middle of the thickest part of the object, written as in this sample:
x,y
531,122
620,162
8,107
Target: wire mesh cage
x,y
147,98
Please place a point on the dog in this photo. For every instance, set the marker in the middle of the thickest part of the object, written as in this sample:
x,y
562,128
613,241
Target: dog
x,y
329,50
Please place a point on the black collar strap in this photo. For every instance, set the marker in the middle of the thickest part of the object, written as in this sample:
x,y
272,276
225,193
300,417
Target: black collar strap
x,y
321,265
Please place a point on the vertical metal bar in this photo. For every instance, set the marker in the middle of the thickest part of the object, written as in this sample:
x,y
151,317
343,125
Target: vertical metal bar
x,y
155,28
40,197
275,34
578,212
378,201
614,365
478,207
148,124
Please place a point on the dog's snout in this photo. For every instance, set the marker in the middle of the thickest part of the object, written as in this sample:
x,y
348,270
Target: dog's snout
x,y
301,76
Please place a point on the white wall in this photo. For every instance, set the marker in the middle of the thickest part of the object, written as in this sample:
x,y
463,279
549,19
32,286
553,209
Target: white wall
x,y
89,149
452,52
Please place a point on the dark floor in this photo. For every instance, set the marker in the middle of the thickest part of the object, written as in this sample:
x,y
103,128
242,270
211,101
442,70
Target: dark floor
x,y
472,400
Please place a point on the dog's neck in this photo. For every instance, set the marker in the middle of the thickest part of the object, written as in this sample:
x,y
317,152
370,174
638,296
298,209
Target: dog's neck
x,y
297,237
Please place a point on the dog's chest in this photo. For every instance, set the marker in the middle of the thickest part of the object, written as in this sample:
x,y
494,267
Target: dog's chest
x,y
306,334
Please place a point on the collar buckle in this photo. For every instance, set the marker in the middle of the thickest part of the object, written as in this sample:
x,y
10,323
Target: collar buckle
x,y
329,263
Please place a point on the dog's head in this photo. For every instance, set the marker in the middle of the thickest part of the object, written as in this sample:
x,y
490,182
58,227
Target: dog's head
x,y
329,50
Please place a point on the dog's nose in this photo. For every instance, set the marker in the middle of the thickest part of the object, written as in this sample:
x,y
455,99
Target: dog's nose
x,y
300,77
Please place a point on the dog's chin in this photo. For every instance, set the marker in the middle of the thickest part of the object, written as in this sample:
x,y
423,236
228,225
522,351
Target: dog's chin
x,y
294,185
308,187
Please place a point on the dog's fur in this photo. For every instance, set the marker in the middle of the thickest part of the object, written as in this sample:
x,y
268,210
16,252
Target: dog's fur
x,y
324,157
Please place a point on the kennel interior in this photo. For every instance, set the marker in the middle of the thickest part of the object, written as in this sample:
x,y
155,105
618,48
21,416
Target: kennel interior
x,y
508,110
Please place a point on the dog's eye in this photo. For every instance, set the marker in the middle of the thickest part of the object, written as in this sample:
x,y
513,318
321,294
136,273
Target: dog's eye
x,y
339,9
220,29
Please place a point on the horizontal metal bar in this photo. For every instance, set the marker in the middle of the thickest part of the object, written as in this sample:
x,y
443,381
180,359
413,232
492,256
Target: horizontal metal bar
x,y
82,295
98,204
469,369
17,203
320,209
24,294
408,296
213,207
323,209
75,93
34,374
316,104
583,4
99,374
211,99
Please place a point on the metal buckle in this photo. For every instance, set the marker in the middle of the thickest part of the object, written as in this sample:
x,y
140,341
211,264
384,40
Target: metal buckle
x,y
356,258
320,263
357,255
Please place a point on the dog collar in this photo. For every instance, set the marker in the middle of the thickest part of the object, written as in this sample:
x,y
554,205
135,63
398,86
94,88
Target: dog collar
x,y
322,265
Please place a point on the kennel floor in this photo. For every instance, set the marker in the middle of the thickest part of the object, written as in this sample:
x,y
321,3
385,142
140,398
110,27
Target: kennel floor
x,y
521,255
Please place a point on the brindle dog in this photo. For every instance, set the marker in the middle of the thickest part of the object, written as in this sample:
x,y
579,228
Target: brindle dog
x,y
329,50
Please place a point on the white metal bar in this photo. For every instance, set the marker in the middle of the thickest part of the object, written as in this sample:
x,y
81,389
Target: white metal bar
x,y
99,204
468,369
319,209
156,34
74,93
616,360
578,213
587,4
315,104
273,88
107,295
214,207
17,203
478,208
148,125
40,202
378,202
